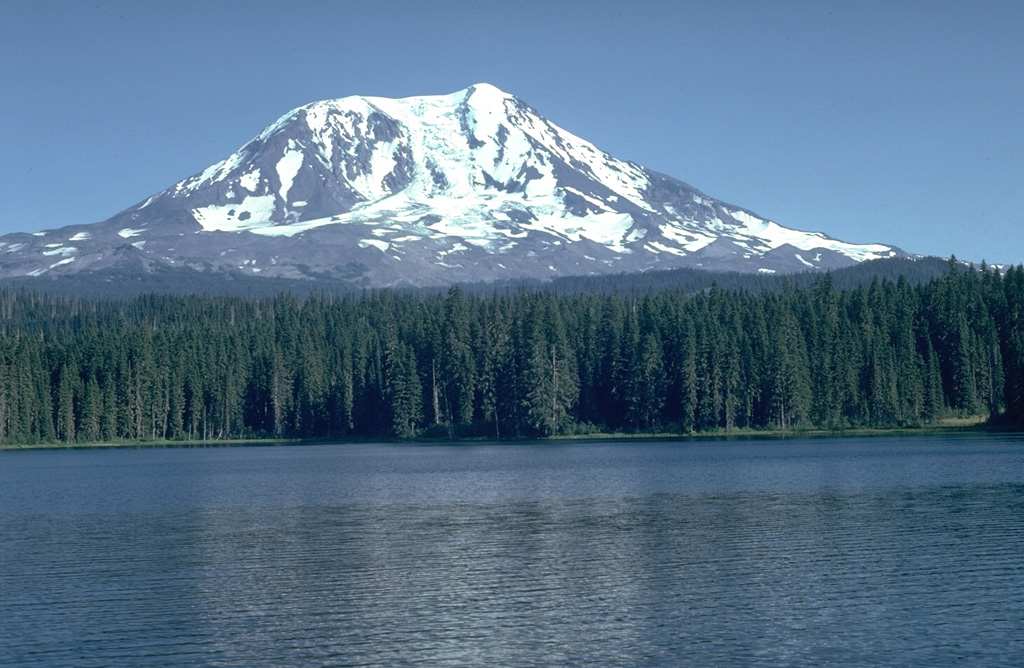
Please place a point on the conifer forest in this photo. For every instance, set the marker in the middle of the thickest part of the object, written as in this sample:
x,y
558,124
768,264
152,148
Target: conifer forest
x,y
512,364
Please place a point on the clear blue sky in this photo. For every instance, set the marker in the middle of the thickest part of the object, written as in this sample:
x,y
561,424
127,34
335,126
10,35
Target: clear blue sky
x,y
891,121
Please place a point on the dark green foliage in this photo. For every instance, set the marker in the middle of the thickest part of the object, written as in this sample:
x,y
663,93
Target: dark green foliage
x,y
391,364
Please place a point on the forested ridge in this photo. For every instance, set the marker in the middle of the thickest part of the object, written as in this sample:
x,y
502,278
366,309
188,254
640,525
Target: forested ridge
x,y
133,280
513,364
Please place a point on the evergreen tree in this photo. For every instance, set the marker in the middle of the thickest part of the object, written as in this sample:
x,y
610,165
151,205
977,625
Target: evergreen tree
x,y
550,373
457,363
789,386
647,389
403,389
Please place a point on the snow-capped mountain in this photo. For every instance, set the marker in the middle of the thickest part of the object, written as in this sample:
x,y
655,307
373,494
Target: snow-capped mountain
x,y
471,186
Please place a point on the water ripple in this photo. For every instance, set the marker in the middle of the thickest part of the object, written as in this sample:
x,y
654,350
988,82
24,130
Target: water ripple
x,y
799,575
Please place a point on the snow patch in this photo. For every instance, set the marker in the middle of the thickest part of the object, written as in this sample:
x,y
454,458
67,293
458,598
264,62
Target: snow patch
x,y
774,235
382,246
592,200
43,270
608,229
252,212
127,233
288,167
636,235
370,184
81,236
250,180
691,241
62,250
658,246
805,262
456,248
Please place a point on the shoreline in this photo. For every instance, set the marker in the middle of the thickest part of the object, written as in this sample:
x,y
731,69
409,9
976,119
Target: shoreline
x,y
948,426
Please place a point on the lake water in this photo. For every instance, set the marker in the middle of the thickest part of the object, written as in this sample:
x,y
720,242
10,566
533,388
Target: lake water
x,y
873,551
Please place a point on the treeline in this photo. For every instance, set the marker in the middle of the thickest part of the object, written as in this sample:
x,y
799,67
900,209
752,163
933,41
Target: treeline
x,y
124,282
387,364
914,270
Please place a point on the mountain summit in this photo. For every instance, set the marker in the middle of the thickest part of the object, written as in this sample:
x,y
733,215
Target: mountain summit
x,y
471,186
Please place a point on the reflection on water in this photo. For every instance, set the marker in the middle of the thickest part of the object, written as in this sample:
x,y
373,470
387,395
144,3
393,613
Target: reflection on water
x,y
859,552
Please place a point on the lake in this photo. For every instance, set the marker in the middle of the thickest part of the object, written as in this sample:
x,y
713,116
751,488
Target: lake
x,y
901,551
